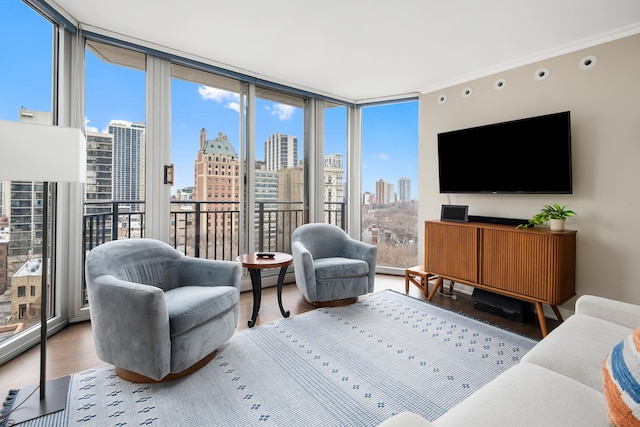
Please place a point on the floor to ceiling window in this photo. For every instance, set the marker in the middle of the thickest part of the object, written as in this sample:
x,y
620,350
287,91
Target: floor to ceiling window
x,y
26,95
115,132
389,182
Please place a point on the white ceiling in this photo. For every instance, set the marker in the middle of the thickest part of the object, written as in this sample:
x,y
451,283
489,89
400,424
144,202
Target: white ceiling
x,y
361,50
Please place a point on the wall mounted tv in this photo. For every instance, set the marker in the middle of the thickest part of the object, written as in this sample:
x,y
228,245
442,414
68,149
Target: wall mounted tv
x,y
529,156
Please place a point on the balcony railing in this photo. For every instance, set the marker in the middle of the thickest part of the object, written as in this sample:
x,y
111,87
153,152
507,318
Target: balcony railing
x,y
203,229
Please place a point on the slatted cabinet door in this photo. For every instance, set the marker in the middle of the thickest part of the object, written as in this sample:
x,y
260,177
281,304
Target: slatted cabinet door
x,y
451,250
533,263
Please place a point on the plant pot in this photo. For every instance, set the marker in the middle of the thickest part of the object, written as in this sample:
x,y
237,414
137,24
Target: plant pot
x,y
556,225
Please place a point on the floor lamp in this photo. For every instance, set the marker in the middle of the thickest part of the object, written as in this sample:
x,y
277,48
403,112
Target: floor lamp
x,y
47,154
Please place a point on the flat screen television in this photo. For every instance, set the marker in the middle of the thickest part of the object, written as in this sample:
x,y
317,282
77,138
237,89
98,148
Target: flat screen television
x,y
531,155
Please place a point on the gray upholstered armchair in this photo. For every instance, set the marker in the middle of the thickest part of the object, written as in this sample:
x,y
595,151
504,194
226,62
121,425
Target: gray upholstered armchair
x,y
330,267
157,314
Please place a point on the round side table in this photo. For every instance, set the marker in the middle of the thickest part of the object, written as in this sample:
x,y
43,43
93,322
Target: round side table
x,y
255,264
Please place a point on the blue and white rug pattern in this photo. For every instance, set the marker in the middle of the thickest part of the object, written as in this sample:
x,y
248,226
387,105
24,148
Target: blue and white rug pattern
x,y
346,366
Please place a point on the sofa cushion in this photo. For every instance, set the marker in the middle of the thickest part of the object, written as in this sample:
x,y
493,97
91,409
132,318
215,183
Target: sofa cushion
x,y
190,306
621,374
578,347
529,395
338,267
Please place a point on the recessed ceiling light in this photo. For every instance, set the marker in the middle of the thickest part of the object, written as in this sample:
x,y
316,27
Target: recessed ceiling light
x,y
499,84
541,74
442,99
466,92
587,62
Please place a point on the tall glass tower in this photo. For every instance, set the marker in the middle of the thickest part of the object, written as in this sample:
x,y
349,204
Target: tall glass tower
x,y
128,160
281,151
404,190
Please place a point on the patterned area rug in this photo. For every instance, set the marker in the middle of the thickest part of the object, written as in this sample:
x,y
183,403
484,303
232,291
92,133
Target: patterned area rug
x,y
346,366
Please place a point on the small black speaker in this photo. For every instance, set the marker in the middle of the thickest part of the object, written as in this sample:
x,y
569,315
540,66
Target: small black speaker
x,y
454,213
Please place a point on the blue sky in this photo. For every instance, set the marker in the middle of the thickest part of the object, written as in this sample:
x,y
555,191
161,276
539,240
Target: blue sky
x,y
390,132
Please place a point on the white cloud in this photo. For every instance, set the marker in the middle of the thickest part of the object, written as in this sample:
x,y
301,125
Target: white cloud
x,y
220,96
234,106
283,111
88,128
120,123
383,156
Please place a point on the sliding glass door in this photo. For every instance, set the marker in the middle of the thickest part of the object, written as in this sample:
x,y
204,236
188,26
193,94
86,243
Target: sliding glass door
x,y
115,112
205,152
278,181
335,174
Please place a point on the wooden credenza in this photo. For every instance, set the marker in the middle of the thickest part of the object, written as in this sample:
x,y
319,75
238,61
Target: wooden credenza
x,y
532,264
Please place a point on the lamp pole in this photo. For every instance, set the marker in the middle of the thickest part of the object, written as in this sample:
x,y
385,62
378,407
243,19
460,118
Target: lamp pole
x,y
43,296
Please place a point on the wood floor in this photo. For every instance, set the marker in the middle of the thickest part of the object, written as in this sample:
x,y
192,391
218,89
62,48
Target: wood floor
x,y
72,350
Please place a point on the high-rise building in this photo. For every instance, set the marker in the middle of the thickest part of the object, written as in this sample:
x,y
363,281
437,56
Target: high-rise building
x,y
217,179
266,188
184,193
5,191
99,185
367,198
404,190
333,178
266,197
334,189
291,184
291,197
128,160
4,253
281,151
333,161
384,192
217,170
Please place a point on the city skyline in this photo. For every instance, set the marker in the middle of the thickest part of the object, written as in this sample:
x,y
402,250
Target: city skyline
x,y
397,184
128,133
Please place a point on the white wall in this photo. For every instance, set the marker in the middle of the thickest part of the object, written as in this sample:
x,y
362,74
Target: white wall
x,y
605,117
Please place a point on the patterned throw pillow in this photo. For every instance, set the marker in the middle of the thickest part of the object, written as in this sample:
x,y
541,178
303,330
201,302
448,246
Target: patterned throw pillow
x,y
621,372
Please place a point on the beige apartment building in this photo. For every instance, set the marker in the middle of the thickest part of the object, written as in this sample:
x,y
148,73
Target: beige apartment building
x,y
26,291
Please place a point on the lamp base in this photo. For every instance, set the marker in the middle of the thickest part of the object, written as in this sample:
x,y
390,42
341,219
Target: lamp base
x,y
55,400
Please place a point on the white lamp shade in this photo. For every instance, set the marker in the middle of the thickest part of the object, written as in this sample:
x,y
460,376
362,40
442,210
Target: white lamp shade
x,y
32,152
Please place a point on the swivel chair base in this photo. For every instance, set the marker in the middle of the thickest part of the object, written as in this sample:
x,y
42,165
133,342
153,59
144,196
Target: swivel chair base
x,y
332,303
135,377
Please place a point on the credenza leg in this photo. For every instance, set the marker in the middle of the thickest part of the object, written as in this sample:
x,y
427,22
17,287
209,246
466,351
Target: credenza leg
x,y
435,288
557,313
541,318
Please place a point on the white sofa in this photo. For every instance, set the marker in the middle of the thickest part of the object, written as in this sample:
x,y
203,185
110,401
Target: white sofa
x,y
558,383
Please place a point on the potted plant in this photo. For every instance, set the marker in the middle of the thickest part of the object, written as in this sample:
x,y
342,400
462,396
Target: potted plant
x,y
555,214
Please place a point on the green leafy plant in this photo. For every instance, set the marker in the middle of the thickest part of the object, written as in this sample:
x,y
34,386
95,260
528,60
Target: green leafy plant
x,y
548,212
